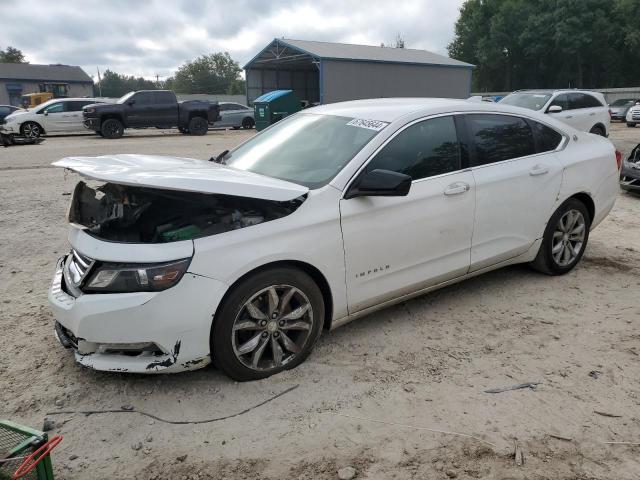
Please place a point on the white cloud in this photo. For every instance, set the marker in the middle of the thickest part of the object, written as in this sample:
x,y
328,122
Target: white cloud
x,y
149,37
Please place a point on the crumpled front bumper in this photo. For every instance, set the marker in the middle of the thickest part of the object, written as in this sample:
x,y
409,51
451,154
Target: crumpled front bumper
x,y
141,332
630,177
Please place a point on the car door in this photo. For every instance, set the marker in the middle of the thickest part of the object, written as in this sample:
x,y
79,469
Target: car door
x,y
72,118
567,115
165,109
225,115
398,245
138,110
52,117
517,183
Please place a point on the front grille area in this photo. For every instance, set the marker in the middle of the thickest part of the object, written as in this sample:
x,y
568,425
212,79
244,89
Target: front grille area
x,y
76,269
635,114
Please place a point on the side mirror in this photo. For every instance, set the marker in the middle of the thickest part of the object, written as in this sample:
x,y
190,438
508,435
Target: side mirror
x,y
380,183
45,113
554,109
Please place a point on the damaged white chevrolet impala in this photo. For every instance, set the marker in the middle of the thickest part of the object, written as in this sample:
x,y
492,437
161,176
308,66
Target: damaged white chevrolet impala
x,y
322,218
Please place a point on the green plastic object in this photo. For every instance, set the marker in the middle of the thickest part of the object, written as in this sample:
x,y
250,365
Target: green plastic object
x,y
183,233
17,442
274,106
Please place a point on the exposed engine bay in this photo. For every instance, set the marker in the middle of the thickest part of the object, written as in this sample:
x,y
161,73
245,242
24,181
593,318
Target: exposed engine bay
x,y
130,214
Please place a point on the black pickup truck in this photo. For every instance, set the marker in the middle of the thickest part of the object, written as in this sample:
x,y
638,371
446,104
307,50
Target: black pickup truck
x,y
148,109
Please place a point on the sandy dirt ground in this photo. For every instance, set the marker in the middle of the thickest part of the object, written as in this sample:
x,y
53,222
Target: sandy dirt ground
x,y
379,395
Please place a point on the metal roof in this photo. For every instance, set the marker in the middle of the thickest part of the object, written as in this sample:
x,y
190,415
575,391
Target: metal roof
x,y
57,73
363,53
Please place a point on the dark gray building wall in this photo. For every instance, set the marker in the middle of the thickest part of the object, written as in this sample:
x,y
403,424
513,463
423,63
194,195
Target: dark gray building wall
x,y
304,83
345,80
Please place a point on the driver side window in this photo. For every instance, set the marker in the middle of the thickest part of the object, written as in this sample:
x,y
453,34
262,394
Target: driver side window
x,y
55,108
561,101
422,150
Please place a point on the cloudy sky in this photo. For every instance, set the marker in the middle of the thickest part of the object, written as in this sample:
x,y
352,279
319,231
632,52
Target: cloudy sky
x,y
149,37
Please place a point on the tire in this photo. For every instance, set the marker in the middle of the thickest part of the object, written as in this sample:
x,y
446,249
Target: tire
x,y
631,125
183,130
31,130
266,344
112,128
598,131
248,123
198,126
554,263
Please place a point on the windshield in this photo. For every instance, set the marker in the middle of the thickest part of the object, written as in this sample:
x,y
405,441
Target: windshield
x,y
623,102
532,101
125,97
307,149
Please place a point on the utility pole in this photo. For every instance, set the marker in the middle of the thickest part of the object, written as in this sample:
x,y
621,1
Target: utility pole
x,y
99,82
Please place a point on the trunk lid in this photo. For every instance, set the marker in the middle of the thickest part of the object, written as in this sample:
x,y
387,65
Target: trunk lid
x,y
182,174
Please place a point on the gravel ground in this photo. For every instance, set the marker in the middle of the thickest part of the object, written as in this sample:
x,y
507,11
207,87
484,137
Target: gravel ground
x,y
381,395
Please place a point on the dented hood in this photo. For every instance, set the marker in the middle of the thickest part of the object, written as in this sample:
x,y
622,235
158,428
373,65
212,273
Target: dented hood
x,y
185,174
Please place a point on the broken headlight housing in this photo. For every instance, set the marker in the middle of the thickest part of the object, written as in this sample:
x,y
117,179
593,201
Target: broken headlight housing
x,y
135,277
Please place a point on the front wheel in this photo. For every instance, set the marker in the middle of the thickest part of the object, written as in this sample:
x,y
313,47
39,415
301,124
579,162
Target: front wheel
x,y
198,126
30,130
565,239
268,323
112,128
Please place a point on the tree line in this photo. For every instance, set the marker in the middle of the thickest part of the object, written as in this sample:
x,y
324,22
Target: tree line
x,y
549,43
216,73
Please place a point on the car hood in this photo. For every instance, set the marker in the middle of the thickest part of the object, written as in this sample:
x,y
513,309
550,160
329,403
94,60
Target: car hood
x,y
16,114
184,174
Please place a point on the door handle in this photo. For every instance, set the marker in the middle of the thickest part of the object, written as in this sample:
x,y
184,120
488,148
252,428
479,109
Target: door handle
x,y
457,188
539,170
592,114
569,116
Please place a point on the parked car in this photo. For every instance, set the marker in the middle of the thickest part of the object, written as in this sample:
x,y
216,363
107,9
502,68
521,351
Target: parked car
x,y
6,110
582,109
150,109
60,115
630,172
235,115
323,217
633,115
620,107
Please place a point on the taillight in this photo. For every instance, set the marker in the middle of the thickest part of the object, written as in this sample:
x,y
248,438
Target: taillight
x,y
619,159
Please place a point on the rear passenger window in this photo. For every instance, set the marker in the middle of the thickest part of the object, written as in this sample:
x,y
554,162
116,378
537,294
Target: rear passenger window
x,y
499,137
547,138
164,98
76,106
589,101
422,150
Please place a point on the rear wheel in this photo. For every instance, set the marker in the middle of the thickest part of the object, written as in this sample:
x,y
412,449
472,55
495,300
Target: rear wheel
x,y
198,126
112,128
267,324
31,130
598,130
565,239
248,123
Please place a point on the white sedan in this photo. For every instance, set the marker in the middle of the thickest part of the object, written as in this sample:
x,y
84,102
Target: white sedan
x,y
323,217
61,115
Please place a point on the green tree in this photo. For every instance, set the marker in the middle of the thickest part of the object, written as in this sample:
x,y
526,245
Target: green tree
x,y
546,43
213,73
113,84
12,55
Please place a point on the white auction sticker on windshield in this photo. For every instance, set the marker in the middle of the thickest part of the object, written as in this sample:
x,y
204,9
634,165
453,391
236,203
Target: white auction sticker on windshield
x,y
376,125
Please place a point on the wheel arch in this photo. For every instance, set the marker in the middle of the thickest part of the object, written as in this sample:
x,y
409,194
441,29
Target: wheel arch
x,y
601,126
316,275
588,202
109,116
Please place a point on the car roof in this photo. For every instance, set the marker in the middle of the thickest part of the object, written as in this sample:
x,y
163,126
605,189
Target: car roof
x,y
557,90
391,109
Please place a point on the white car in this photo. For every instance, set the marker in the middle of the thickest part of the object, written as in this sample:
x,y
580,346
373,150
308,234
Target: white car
x,y
235,115
60,115
582,109
633,115
325,216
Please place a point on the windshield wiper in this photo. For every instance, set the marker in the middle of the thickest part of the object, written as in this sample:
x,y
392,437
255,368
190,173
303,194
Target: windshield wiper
x,y
220,158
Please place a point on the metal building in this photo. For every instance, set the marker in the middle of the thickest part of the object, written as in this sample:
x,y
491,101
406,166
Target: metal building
x,y
323,72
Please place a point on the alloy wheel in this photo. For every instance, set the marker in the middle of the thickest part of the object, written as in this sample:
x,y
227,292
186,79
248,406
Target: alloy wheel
x,y
568,238
272,327
31,130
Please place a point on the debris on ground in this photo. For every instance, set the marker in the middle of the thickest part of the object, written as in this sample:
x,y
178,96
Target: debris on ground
x,y
531,385
347,473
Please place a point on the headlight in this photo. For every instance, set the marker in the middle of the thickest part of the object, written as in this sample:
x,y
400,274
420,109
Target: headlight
x,y
89,110
135,277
